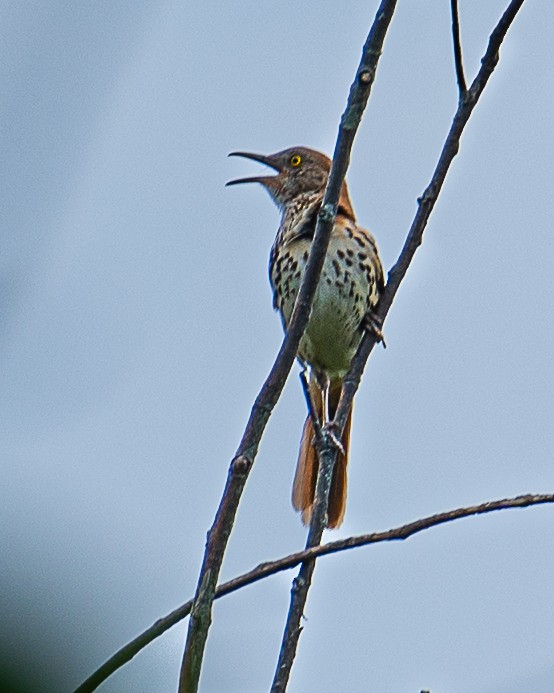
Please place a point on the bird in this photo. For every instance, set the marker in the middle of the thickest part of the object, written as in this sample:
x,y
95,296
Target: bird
x,y
349,287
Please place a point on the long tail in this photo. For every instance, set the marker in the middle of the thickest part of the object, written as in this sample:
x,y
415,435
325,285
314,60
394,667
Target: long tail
x,y
303,490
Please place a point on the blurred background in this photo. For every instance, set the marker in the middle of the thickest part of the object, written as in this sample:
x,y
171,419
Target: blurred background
x,y
137,329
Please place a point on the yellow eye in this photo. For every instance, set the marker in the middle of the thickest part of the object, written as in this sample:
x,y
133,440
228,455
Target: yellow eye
x,y
295,160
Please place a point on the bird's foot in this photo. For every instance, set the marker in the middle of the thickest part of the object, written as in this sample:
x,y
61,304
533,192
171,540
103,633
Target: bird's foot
x,y
372,323
330,432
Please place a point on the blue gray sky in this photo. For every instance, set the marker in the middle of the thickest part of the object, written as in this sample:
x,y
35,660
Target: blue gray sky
x,y
137,328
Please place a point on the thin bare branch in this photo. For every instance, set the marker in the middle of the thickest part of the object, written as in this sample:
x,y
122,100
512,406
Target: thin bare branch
x,y
241,465
325,442
327,450
462,86
265,402
426,204
264,570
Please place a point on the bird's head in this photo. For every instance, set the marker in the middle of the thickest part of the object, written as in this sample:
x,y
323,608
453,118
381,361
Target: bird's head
x,y
300,171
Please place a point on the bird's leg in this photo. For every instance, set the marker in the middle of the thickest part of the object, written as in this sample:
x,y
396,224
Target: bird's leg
x,y
324,383
372,323
328,424
325,398
312,407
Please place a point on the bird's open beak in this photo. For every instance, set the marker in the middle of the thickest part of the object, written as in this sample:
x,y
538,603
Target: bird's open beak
x,y
264,180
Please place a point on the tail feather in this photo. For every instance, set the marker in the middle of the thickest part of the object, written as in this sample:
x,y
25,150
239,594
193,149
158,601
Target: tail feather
x,y
337,495
303,491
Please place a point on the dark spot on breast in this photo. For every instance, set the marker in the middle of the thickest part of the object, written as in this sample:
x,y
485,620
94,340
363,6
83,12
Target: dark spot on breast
x,y
305,256
336,267
328,280
362,256
350,252
341,254
348,262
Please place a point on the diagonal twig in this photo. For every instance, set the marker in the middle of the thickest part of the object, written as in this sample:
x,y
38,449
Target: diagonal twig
x,y
327,449
426,204
241,464
264,570
325,441
271,390
462,87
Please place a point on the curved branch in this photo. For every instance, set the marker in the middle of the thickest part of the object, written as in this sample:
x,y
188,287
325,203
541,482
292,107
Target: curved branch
x,y
265,402
350,121
426,204
327,450
264,570
241,465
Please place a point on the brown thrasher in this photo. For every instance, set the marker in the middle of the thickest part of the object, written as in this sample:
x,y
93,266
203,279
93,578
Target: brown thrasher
x,y
349,287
